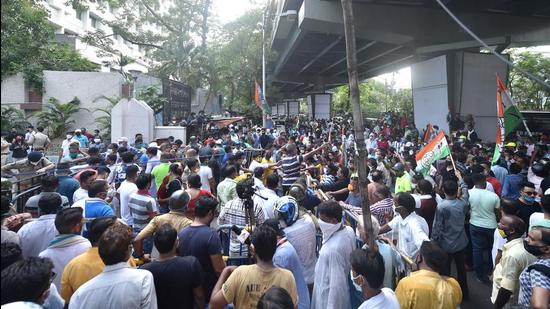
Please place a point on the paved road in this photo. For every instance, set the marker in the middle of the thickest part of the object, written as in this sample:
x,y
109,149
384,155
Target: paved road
x,y
480,294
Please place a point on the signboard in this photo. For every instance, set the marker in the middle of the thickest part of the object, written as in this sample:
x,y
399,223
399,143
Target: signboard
x,y
293,108
319,105
178,105
281,109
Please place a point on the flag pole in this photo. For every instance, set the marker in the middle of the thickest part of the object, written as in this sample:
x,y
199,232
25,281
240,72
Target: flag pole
x,y
264,117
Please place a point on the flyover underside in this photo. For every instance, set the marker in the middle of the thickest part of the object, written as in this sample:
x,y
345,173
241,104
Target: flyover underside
x,y
311,51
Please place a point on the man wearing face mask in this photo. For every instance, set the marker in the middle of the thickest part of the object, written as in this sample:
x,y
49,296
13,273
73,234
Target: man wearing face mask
x,y
94,205
527,203
411,228
80,138
514,260
535,280
35,162
426,288
331,288
367,276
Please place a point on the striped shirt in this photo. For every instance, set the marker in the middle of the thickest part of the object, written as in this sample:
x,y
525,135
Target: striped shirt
x,y
383,210
140,207
291,169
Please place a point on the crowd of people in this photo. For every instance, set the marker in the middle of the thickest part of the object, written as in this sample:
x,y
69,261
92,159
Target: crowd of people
x,y
254,217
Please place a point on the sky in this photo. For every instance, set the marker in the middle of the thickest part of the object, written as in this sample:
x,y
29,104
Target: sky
x,y
229,10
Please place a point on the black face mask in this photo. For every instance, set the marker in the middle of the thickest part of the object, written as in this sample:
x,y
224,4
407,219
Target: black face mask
x,y
534,250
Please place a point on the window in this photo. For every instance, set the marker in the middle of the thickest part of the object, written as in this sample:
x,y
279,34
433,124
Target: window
x,y
94,22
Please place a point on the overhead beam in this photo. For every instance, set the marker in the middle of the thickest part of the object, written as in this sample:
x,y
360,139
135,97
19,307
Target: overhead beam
x,y
321,54
389,51
291,45
362,48
459,45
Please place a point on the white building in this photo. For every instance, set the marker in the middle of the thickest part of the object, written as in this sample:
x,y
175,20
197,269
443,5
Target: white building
x,y
71,25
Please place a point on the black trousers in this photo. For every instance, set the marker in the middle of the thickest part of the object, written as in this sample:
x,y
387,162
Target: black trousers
x,y
459,259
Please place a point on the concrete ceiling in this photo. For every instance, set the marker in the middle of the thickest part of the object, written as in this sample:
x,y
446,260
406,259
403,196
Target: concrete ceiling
x,y
308,37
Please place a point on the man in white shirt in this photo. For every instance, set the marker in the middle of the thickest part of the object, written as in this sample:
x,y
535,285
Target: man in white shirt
x,y
367,276
267,195
36,235
86,179
68,244
119,285
66,143
126,189
207,178
331,288
411,228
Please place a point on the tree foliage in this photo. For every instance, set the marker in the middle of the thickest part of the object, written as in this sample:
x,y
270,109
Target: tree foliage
x,y
237,62
27,44
13,117
376,97
529,94
151,95
57,116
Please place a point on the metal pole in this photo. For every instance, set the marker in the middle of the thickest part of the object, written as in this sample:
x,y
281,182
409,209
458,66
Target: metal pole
x,y
264,118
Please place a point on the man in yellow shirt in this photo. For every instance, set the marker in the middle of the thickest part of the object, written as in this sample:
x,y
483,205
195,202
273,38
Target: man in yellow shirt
x,y
402,179
89,264
243,286
426,288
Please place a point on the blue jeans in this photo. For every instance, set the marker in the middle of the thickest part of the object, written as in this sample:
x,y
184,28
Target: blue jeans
x,y
147,244
482,241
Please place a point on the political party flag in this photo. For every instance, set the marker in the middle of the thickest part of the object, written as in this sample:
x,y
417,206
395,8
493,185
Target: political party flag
x,y
501,134
259,99
257,94
437,149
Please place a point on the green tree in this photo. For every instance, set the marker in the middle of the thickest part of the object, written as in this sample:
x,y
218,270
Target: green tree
x,y
13,117
237,59
27,45
104,119
376,97
57,116
529,94
151,95
25,30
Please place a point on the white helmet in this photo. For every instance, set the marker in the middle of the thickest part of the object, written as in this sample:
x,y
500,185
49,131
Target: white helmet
x,y
286,210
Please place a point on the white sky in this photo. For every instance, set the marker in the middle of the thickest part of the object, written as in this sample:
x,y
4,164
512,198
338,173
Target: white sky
x,y
229,10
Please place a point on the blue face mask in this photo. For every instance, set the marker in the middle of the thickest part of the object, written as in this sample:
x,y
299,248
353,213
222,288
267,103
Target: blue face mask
x,y
529,199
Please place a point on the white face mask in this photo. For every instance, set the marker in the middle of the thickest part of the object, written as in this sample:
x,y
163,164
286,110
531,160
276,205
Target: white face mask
x,y
355,285
328,229
69,136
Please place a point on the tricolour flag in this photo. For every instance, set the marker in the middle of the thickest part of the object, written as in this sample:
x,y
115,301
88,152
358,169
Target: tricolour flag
x,y
257,94
437,149
259,99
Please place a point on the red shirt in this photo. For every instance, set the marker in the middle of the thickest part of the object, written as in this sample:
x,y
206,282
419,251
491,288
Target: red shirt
x,y
496,184
383,144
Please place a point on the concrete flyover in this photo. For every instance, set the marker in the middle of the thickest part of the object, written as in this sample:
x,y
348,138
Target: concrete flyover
x,y
309,45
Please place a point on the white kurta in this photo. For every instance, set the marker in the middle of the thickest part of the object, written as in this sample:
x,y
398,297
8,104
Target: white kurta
x,y
331,289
